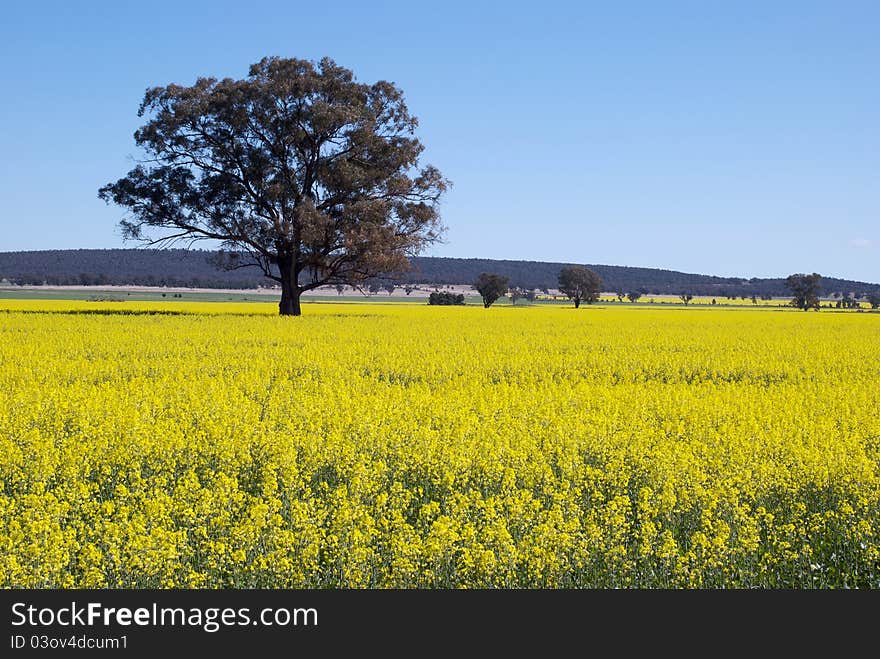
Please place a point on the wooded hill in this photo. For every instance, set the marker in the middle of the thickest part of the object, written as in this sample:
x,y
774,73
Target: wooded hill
x,y
193,268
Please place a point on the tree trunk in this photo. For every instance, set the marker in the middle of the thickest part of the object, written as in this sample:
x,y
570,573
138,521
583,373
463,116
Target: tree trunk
x,y
290,292
289,305
577,303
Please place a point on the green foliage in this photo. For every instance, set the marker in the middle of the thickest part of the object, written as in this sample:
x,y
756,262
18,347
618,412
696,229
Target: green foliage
x,y
579,284
805,290
445,298
490,287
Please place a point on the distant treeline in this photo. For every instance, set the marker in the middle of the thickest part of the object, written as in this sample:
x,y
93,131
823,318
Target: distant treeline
x,y
124,267
193,268
615,278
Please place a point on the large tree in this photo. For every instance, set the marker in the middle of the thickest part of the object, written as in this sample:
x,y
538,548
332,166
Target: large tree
x,y
580,284
297,169
805,289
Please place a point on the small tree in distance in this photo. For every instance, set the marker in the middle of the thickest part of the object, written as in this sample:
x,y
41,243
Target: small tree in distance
x,y
514,294
686,298
580,284
805,290
874,300
633,296
445,298
490,287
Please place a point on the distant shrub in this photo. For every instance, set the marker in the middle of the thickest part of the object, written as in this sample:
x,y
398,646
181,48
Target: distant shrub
x,y
445,297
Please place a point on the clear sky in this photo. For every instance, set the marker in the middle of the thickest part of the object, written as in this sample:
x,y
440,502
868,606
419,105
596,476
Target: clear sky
x,y
728,138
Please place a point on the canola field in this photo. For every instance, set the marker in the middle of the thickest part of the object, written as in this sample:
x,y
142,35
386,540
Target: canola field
x,y
163,445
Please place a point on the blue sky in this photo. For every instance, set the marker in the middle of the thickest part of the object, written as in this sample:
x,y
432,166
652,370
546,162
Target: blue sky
x,y
727,138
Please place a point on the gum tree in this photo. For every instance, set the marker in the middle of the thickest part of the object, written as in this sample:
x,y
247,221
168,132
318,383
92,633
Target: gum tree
x,y
805,290
580,284
490,286
297,169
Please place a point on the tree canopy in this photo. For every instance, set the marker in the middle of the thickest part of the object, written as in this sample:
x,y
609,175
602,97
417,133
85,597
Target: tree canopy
x,y
580,284
490,287
297,169
805,289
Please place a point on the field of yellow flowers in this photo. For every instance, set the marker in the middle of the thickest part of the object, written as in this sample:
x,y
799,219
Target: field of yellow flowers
x,y
164,445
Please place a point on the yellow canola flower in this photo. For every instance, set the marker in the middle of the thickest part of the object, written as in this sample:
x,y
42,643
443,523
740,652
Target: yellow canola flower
x,y
216,445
